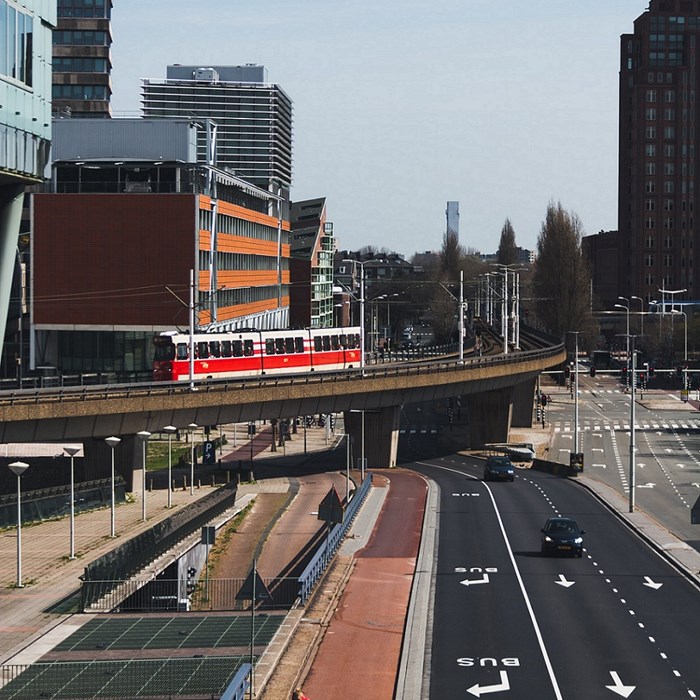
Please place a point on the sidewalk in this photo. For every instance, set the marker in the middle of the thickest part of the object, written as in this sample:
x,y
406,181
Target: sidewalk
x,y
49,576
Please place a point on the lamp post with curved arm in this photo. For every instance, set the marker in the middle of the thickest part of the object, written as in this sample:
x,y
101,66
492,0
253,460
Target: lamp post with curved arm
x,y
143,435
71,452
170,429
112,442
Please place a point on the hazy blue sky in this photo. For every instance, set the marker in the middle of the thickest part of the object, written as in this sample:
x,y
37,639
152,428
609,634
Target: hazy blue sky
x,y
401,105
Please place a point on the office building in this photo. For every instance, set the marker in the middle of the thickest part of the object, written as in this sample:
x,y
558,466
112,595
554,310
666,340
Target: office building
x,y
82,61
658,152
253,118
129,213
25,129
311,265
452,214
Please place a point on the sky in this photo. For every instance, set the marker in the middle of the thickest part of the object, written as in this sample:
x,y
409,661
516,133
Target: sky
x,y
403,105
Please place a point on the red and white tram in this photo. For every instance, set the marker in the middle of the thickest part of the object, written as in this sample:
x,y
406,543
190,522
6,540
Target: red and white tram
x,y
251,353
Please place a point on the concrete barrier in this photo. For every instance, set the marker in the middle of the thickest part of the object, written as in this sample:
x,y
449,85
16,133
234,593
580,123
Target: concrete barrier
x,y
543,465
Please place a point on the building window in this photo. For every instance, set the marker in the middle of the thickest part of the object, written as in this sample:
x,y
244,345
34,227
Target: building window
x,y
669,150
650,114
650,132
668,260
649,222
668,224
651,95
650,168
668,205
668,186
669,96
669,114
669,132
650,186
649,260
649,204
669,169
650,150
16,29
649,242
649,279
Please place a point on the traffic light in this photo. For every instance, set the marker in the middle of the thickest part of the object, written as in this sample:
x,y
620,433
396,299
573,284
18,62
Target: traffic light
x,y
592,371
624,372
679,372
567,371
651,372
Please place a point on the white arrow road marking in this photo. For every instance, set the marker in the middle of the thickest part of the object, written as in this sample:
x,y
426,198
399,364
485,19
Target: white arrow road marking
x,y
649,485
479,690
652,584
472,582
624,690
563,582
696,485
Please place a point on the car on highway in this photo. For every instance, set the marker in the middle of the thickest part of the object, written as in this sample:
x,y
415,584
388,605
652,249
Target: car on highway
x,y
562,536
499,469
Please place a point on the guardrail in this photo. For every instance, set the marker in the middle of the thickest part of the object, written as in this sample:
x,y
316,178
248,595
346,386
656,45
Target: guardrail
x,y
113,391
318,564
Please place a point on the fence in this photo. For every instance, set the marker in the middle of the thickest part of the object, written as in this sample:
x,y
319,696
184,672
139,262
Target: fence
x,y
193,677
315,568
178,595
103,575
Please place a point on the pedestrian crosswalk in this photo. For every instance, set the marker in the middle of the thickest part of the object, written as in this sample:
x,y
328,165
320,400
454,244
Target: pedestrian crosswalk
x,y
596,426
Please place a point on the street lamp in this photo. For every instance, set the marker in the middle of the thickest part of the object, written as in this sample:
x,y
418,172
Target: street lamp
x,y
112,442
143,435
170,429
192,427
18,468
641,309
72,451
575,379
627,310
362,309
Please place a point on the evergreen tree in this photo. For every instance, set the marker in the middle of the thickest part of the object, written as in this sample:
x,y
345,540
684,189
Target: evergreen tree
x,y
507,249
562,281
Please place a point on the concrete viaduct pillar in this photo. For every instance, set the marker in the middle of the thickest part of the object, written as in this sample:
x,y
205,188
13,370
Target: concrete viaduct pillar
x,y
381,433
523,403
489,416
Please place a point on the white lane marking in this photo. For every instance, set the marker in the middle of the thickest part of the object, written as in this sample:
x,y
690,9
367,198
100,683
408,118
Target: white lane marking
x,y
518,576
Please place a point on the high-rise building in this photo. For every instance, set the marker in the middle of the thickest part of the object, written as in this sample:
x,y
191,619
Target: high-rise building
x,y
658,141
82,62
252,118
452,214
25,123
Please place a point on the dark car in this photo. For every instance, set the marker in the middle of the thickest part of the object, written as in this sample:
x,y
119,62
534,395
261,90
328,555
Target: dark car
x,y
562,536
499,469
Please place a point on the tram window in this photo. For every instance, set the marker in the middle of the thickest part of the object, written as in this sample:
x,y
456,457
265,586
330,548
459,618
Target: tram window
x,y
317,344
238,348
289,345
214,348
203,350
182,351
335,343
326,343
344,340
299,344
226,348
270,346
279,346
248,349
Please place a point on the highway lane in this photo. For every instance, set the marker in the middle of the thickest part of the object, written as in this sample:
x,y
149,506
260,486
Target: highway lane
x,y
508,622
667,469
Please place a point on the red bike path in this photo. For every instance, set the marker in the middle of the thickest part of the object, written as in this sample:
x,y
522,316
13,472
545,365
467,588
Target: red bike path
x,y
360,652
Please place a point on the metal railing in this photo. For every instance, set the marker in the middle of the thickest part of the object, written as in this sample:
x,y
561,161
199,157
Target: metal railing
x,y
323,556
408,369
188,677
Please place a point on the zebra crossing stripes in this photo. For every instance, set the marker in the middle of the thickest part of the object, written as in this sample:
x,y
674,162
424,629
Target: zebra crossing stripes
x,y
617,427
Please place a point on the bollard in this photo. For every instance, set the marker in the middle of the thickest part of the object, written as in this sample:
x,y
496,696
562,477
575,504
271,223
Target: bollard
x,y
151,486
199,483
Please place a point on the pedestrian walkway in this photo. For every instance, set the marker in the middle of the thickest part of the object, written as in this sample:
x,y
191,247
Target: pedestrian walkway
x,y
49,577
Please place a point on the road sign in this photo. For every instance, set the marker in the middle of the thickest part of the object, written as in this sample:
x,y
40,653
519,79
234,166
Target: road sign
x,y
331,509
208,452
253,582
208,534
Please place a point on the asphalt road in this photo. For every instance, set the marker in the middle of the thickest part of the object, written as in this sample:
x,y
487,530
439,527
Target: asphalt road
x,y
509,622
666,465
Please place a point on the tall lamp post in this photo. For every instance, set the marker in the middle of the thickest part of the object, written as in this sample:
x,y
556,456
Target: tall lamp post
x,y
143,435
18,468
71,452
170,429
641,317
632,428
362,309
112,442
575,379
627,332
192,427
